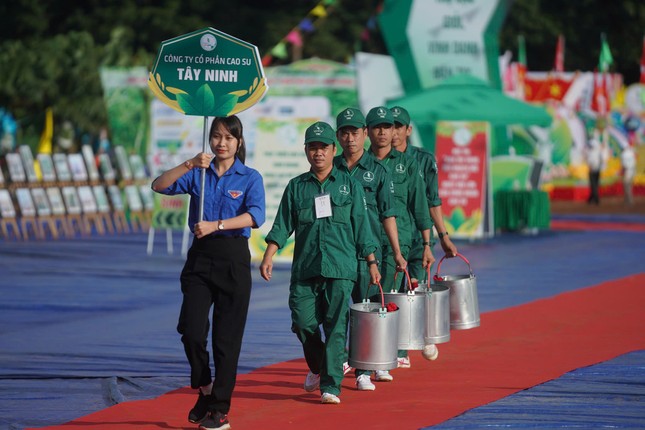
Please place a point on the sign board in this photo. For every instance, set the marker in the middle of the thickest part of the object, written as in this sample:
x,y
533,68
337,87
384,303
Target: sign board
x,y
462,149
431,40
170,211
208,73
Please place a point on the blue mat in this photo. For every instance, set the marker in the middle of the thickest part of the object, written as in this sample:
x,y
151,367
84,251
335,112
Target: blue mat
x,y
85,324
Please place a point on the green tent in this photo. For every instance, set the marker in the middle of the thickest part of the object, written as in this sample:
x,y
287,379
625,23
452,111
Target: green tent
x,y
466,98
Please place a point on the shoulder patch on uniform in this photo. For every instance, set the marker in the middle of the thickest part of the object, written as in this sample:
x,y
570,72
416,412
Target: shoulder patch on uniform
x,y
235,193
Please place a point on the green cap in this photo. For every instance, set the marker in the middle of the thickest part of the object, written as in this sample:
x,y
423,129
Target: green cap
x,y
351,117
400,115
379,115
320,132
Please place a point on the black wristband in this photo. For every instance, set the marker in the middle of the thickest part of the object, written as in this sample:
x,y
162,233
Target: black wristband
x,y
370,262
426,243
441,235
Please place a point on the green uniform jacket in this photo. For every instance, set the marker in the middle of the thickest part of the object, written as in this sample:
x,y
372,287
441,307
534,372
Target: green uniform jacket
x,y
328,246
409,196
428,164
378,188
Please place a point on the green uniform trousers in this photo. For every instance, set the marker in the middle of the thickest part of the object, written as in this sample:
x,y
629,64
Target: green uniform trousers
x,y
323,301
362,289
388,269
415,261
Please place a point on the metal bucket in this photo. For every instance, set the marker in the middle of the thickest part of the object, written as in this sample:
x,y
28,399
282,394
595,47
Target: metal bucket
x,y
437,317
464,306
373,336
412,310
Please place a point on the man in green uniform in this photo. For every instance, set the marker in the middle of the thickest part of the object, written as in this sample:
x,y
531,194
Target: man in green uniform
x,y
428,165
409,198
326,209
376,181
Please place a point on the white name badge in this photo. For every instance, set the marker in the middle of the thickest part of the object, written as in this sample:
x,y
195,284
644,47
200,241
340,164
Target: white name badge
x,y
323,206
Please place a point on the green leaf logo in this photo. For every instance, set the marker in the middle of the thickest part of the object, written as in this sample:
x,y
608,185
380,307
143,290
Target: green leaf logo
x,y
205,104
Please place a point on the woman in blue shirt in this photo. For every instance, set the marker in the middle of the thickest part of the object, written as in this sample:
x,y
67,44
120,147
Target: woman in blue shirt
x,y
217,272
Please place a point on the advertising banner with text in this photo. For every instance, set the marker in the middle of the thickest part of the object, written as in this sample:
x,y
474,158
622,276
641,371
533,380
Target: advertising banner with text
x,y
462,159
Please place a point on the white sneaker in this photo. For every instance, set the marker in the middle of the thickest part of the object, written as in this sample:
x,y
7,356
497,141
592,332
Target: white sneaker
x,y
330,398
346,368
363,383
312,382
430,352
383,376
403,362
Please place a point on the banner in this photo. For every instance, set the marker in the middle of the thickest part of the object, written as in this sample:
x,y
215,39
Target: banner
x,y
301,93
462,149
170,212
127,101
174,138
432,40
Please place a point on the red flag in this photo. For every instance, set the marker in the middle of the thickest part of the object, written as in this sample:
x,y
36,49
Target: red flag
x,y
521,68
643,63
600,101
559,55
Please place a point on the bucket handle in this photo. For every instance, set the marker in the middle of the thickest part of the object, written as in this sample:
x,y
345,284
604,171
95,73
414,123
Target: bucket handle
x,y
407,280
437,277
378,284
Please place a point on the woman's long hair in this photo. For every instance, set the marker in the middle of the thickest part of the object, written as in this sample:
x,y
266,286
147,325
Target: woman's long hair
x,y
234,126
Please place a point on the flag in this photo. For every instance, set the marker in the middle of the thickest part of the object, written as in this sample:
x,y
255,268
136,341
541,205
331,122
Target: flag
x,y
45,144
521,54
294,38
600,101
319,11
643,63
306,25
279,51
559,55
266,60
605,60
521,68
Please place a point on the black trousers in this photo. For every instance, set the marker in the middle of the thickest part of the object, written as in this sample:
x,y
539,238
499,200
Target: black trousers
x,y
217,274
594,185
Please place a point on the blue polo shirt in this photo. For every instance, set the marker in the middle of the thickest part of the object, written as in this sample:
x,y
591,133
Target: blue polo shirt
x,y
240,190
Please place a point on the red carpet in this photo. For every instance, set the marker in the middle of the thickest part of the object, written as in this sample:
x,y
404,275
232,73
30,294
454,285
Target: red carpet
x,y
593,225
513,350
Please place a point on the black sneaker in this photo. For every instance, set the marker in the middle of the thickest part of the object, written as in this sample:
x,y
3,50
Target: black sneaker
x,y
215,421
199,412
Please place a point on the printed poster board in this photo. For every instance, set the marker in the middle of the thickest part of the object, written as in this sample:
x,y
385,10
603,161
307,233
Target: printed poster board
x,y
86,195
133,198
115,198
146,197
7,210
106,168
62,168
56,201
137,167
41,201
462,161
102,204
46,167
25,202
28,161
90,163
122,163
72,201
77,166
15,167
